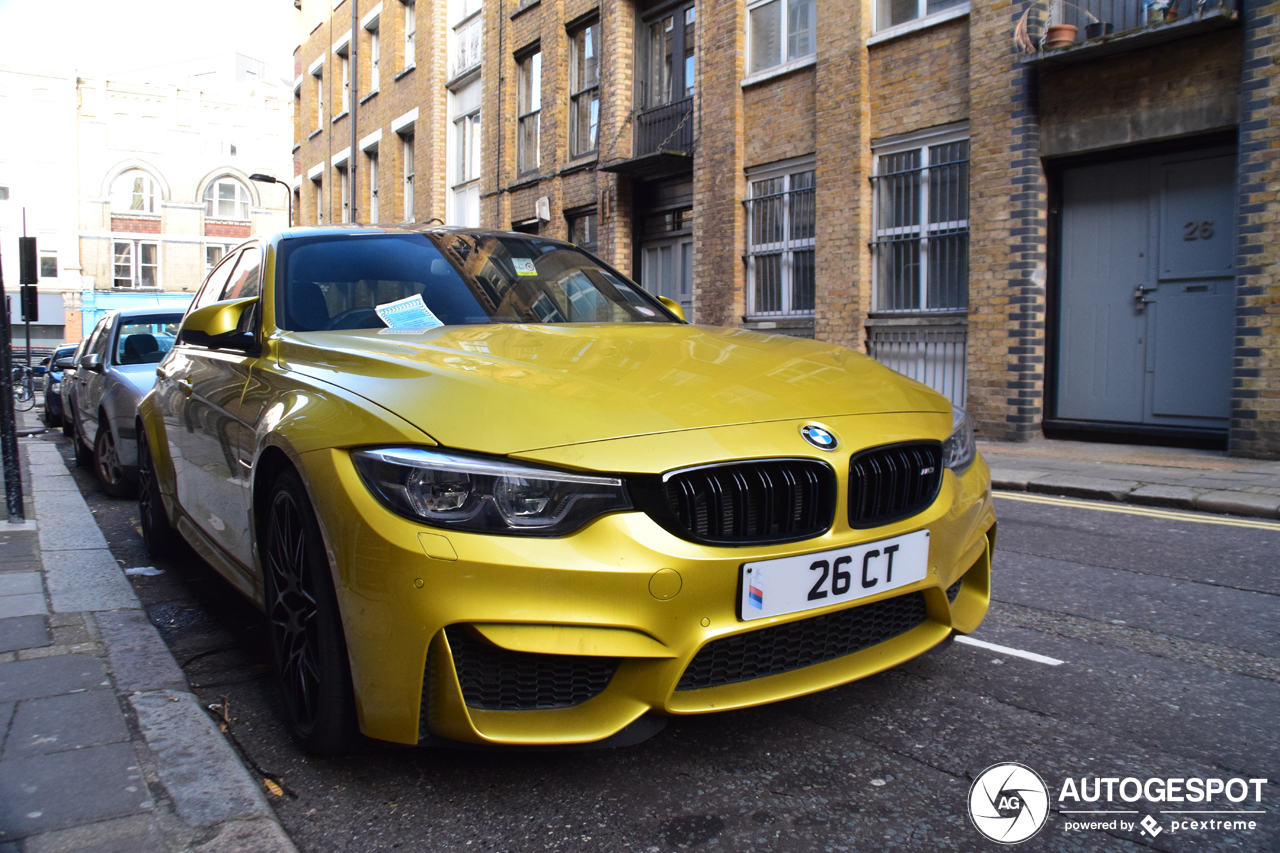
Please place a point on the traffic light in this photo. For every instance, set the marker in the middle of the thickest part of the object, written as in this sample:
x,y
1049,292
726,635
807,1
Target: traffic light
x,y
30,303
28,263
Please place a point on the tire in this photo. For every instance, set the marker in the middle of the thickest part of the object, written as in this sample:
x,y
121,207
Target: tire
x,y
307,644
67,428
160,537
106,463
50,419
84,456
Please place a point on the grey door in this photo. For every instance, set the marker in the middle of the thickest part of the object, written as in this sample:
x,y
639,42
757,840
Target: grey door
x,y
1147,291
666,269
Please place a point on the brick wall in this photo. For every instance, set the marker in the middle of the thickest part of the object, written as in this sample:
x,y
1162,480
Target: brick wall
x,y
1255,413
920,80
779,118
136,225
1007,232
234,230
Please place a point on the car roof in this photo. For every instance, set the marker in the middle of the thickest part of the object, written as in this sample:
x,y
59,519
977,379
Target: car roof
x,y
150,312
403,228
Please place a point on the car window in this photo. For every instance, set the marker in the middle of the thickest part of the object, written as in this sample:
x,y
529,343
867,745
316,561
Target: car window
x,y
98,340
244,280
215,283
146,339
336,281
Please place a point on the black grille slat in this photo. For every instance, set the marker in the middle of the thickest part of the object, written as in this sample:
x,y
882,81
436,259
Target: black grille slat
x,y
501,680
953,591
894,482
744,502
795,645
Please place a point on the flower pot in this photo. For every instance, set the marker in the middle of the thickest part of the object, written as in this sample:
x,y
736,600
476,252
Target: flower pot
x,y
1059,35
1098,29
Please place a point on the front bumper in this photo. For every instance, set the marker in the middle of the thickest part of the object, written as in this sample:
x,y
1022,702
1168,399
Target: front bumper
x,y
622,592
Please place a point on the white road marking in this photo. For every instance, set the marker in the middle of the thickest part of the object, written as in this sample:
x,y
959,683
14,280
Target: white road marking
x,y
1018,653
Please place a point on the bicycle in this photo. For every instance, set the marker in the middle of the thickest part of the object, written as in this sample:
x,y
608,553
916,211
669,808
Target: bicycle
x,y
24,387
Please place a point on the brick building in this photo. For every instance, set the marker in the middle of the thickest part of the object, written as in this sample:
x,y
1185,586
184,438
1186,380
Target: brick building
x,y
1062,214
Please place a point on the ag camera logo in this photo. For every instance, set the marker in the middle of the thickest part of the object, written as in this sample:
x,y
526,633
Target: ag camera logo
x,y
1008,802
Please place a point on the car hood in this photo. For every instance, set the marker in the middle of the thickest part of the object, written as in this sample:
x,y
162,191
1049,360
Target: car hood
x,y
514,388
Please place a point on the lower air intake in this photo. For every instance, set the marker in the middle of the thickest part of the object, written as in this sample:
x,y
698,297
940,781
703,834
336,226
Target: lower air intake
x,y
495,679
794,645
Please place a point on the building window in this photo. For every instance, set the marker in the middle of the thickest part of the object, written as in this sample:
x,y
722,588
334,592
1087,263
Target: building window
x,y
344,68
226,198
582,230
136,264
4,193
344,191
921,247
212,254
669,64
407,157
780,243
135,192
466,28
584,89
528,111
318,197
317,89
463,206
372,157
410,34
781,32
375,56
48,264
891,13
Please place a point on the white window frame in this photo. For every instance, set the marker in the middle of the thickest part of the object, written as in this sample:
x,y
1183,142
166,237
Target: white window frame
x,y
344,191
375,56
371,157
924,230
344,67
243,202
464,162
317,185
151,196
317,90
135,264
466,37
786,63
788,246
407,161
923,20
410,33
578,92
529,77
223,247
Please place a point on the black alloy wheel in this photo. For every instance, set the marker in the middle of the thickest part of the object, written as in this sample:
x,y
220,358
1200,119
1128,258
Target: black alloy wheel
x,y
307,643
107,465
160,537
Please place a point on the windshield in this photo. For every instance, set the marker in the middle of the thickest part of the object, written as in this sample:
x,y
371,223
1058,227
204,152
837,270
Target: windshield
x,y
419,281
145,340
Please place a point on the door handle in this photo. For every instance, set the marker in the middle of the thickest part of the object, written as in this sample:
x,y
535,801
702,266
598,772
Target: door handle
x,y
1140,296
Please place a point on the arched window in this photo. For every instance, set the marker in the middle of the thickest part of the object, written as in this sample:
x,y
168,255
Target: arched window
x,y
135,191
226,198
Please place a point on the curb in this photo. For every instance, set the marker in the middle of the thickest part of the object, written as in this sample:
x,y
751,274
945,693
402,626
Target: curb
x,y
1188,498
212,793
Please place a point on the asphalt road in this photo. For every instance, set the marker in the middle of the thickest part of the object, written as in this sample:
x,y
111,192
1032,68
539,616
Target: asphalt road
x,y
1165,625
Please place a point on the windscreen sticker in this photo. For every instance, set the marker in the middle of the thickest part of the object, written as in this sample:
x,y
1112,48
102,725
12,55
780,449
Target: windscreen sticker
x,y
408,314
524,266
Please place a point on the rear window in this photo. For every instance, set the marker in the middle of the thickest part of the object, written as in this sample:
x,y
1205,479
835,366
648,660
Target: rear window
x,y
341,282
145,340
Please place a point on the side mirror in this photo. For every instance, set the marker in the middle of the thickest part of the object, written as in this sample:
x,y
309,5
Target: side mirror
x,y
91,361
220,325
67,362
674,307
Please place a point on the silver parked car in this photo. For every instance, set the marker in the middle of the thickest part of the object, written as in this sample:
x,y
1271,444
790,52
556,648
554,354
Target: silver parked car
x,y
115,367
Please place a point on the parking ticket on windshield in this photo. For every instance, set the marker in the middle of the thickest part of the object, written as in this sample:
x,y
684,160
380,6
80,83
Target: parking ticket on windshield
x,y
411,313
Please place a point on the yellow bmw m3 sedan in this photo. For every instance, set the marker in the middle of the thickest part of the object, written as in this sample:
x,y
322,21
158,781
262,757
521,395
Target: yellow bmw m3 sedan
x,y
488,490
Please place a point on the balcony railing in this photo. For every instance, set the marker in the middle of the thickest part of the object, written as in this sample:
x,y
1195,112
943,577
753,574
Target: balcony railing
x,y
1097,19
666,128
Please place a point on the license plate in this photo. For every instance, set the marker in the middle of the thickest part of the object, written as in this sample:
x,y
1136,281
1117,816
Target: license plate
x,y
793,584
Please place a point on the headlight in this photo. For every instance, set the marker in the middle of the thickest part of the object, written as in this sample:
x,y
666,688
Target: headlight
x,y
959,449
445,489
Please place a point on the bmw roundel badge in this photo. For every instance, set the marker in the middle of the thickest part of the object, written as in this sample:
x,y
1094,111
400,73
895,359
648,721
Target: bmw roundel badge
x,y
818,437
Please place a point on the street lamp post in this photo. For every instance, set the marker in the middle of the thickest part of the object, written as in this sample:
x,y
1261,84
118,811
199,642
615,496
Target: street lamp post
x,y
288,193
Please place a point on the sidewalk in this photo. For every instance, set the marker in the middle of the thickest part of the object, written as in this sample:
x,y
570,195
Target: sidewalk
x,y
1200,480
103,747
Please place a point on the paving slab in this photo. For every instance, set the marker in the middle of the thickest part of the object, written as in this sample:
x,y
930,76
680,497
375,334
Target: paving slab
x,y
23,632
1076,486
1240,503
137,834
69,788
1179,497
12,606
198,767
31,679
249,836
1015,479
60,723
21,583
69,526
140,660
18,544
91,580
